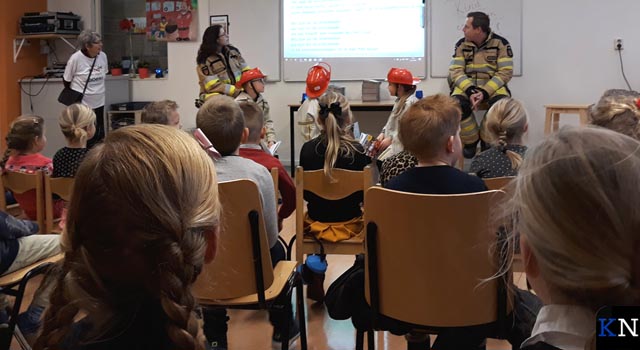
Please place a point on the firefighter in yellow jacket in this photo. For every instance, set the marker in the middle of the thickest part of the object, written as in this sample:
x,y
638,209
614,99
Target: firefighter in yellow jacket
x,y
220,65
481,67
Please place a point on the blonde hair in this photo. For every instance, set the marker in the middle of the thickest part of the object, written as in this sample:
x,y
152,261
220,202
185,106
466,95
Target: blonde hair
x,y
426,126
158,112
133,240
618,113
74,122
575,202
505,123
334,129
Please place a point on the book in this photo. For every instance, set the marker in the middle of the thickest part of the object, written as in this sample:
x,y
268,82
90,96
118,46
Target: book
x,y
204,142
274,148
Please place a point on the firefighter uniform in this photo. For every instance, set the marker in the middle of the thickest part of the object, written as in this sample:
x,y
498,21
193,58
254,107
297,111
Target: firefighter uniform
x,y
220,72
486,68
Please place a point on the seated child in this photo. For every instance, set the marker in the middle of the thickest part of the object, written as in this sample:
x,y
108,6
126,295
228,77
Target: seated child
x,y
431,131
618,112
581,252
318,79
334,148
504,126
396,165
252,84
251,149
134,245
21,246
221,120
25,141
402,84
77,123
163,112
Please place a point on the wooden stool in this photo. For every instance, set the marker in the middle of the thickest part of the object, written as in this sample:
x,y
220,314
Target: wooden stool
x,y
553,115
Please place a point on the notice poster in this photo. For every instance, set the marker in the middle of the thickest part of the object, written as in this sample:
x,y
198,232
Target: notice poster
x,y
172,20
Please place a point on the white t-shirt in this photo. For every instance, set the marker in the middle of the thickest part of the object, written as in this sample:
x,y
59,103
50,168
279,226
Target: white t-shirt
x,y
77,72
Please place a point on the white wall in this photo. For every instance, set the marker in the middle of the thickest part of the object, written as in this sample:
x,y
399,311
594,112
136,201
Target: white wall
x,y
568,58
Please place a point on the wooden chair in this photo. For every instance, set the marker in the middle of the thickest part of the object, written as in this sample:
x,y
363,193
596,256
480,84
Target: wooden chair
x,y
502,183
315,181
275,178
241,275
21,183
424,264
15,284
498,183
62,186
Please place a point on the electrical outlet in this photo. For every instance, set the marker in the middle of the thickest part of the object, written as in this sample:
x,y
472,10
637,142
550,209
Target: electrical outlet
x,y
617,44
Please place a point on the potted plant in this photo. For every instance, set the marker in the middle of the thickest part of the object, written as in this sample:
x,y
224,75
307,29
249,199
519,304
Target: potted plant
x,y
116,69
143,69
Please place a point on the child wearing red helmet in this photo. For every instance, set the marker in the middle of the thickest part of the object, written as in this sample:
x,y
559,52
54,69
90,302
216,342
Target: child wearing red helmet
x,y
402,84
318,79
252,84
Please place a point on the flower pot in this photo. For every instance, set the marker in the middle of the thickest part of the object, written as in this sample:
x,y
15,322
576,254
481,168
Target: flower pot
x,y
143,73
116,71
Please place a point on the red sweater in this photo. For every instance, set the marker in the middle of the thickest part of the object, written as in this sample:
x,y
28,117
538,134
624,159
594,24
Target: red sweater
x,y
285,184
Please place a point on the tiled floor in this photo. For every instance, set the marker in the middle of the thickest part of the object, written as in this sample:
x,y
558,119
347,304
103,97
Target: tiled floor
x,y
251,329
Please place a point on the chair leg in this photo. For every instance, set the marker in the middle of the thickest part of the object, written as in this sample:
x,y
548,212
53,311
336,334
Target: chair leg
x,y
287,324
302,322
371,341
359,340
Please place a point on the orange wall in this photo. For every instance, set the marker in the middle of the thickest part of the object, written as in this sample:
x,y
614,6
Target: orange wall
x,y
29,63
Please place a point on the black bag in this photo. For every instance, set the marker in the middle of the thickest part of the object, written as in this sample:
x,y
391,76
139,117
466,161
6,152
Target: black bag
x,y
345,292
68,96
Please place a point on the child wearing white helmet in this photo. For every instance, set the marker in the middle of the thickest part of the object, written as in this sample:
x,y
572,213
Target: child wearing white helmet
x,y
252,84
402,84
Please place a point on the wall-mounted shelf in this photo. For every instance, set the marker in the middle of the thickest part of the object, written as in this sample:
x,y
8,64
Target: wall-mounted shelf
x,y
20,39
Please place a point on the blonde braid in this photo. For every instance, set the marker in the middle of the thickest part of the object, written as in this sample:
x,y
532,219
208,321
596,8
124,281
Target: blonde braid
x,y
175,291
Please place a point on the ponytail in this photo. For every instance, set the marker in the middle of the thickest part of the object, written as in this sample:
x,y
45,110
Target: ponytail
x,y
334,116
505,123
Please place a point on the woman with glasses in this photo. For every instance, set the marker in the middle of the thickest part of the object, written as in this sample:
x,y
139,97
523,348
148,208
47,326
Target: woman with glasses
x,y
220,65
85,72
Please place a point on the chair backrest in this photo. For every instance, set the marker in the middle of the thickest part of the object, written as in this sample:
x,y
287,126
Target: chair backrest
x,y
428,256
62,186
347,182
234,272
498,183
20,183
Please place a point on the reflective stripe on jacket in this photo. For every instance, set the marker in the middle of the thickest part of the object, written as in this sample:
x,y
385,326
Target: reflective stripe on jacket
x,y
489,66
220,72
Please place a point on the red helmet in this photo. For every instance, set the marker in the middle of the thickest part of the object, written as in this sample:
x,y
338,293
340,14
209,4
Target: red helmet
x,y
401,76
249,75
318,79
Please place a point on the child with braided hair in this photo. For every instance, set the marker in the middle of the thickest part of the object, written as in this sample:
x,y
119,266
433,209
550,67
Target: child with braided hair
x,y
135,244
504,127
77,123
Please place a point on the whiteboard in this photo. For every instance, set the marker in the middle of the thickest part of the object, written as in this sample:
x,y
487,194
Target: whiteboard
x,y
446,20
254,27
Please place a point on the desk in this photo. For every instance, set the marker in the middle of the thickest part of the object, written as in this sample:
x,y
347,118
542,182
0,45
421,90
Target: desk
x,y
356,106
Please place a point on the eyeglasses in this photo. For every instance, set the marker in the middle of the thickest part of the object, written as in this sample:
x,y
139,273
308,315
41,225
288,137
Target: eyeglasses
x,y
221,35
